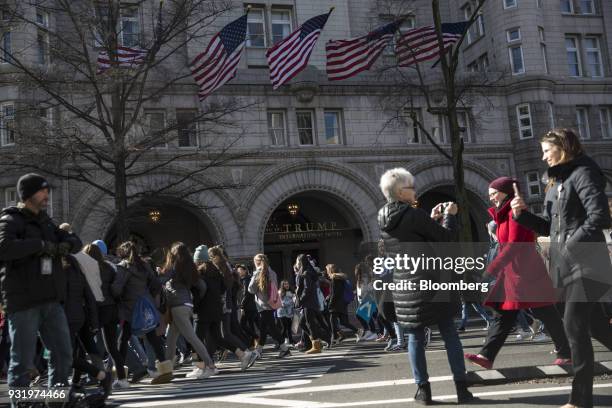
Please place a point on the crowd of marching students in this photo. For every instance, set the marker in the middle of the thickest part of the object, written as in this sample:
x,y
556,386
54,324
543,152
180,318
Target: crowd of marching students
x,y
79,310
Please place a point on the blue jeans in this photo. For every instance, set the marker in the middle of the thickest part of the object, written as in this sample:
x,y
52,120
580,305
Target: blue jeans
x,y
478,308
50,322
454,351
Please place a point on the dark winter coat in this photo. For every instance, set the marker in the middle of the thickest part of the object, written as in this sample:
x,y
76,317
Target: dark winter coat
x,y
575,214
521,278
306,293
80,304
22,236
247,303
179,294
209,308
336,296
409,230
132,282
107,276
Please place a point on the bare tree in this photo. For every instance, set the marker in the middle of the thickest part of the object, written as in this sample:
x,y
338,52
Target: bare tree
x,y
84,121
442,90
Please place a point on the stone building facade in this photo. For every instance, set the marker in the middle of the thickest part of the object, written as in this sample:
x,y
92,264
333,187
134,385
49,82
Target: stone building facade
x,y
313,186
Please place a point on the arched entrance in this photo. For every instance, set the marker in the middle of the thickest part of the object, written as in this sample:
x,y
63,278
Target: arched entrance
x,y
478,210
316,223
156,224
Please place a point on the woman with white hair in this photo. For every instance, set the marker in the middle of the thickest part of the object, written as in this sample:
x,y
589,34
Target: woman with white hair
x,y
400,222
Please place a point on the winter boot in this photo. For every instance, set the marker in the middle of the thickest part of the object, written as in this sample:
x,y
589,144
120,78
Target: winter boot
x,y
463,394
164,372
316,347
423,394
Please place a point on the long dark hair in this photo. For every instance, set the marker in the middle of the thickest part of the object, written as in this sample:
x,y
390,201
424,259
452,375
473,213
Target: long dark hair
x,y
222,266
94,251
128,251
180,260
569,144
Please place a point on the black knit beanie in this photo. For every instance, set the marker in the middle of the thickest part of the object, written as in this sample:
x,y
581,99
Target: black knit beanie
x,y
29,184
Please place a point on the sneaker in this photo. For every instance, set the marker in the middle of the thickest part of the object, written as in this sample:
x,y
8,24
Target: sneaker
x,y
247,360
397,347
284,351
120,384
382,338
193,373
540,337
479,360
357,338
186,360
259,351
563,361
523,335
214,371
369,336
390,344
203,373
536,326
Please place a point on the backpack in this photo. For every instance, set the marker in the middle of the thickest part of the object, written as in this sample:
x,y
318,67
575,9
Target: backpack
x,y
145,317
274,300
348,294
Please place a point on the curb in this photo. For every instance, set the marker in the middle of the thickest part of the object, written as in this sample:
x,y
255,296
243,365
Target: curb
x,y
506,375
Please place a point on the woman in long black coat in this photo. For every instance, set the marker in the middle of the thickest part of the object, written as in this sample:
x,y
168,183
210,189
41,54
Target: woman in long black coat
x,y
575,215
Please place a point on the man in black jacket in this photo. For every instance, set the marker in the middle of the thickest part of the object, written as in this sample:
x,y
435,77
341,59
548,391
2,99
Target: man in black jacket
x,y
33,283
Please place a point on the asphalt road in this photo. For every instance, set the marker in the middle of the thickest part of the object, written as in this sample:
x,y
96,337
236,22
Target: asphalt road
x,y
354,375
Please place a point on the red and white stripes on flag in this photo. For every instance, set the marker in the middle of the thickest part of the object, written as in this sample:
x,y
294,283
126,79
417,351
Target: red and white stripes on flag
x,y
290,56
217,65
347,58
421,44
126,58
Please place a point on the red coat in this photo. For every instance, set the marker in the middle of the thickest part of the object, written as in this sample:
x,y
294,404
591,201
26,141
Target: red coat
x,y
522,280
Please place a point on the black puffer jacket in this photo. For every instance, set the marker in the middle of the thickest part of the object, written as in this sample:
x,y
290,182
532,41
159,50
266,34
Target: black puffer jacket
x,y
306,293
575,215
411,230
336,296
22,236
247,303
80,305
209,308
107,276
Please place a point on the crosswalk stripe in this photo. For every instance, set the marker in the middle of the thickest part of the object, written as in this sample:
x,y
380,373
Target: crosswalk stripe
x,y
249,381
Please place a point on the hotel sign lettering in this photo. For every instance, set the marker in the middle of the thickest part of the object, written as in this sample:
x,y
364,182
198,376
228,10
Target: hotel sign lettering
x,y
303,231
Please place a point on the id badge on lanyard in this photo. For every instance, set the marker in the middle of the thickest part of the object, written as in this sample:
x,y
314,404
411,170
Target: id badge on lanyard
x,y
46,265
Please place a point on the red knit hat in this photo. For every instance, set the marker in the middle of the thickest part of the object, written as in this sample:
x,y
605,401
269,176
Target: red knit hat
x,y
504,184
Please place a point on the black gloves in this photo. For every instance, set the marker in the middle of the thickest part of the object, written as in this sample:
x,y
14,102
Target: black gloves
x,y
49,249
52,249
64,248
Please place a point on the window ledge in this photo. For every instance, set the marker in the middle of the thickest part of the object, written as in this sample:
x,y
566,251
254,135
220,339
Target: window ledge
x,y
474,42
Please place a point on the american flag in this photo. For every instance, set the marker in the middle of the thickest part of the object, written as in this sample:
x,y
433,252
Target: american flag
x,y
217,65
290,56
347,58
421,44
126,58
